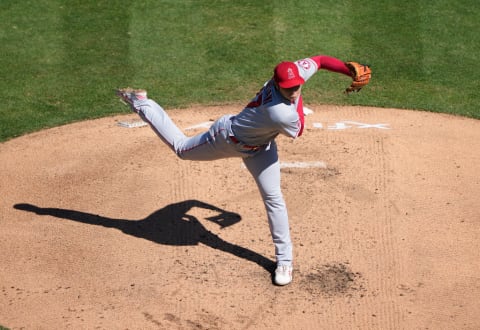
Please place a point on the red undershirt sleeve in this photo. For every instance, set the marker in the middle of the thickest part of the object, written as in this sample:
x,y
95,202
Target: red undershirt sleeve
x,y
331,64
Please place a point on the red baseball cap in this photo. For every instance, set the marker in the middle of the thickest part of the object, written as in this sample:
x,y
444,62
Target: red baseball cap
x,y
286,75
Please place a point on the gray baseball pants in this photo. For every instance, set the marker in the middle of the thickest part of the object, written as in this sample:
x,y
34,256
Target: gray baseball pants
x,y
263,164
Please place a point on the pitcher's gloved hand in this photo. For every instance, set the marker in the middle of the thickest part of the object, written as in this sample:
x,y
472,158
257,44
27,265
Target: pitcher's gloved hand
x,y
361,74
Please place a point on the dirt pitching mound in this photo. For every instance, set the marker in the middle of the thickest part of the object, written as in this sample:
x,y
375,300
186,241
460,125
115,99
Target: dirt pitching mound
x,y
102,227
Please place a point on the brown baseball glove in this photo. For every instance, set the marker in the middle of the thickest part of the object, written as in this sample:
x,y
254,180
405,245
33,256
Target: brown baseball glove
x,y
361,75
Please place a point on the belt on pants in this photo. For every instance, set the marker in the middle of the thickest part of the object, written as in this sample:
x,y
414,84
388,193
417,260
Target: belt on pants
x,y
236,141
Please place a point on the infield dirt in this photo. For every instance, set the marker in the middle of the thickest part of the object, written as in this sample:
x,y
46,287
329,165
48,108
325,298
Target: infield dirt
x,y
102,227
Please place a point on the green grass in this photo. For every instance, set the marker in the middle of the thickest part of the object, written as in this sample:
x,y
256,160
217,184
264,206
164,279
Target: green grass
x,y
61,60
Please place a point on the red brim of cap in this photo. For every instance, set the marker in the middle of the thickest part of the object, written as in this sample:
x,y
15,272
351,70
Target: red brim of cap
x,y
291,83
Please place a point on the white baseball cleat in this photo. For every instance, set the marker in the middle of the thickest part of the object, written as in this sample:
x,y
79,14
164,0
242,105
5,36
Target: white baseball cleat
x,y
130,95
283,274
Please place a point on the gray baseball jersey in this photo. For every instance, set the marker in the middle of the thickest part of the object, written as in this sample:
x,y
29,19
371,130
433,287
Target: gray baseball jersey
x,y
270,114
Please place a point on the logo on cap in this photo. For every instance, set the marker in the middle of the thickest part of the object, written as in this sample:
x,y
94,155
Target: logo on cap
x,y
291,75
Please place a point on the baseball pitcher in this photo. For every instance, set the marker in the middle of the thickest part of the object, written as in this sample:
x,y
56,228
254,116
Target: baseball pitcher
x,y
276,109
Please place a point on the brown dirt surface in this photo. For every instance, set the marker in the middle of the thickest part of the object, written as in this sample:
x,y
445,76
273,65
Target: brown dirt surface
x,y
102,227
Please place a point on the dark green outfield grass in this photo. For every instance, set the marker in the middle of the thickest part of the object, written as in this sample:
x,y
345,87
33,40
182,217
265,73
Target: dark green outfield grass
x,y
61,60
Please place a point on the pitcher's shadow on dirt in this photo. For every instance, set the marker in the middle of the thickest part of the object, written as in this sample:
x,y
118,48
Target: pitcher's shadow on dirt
x,y
170,225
